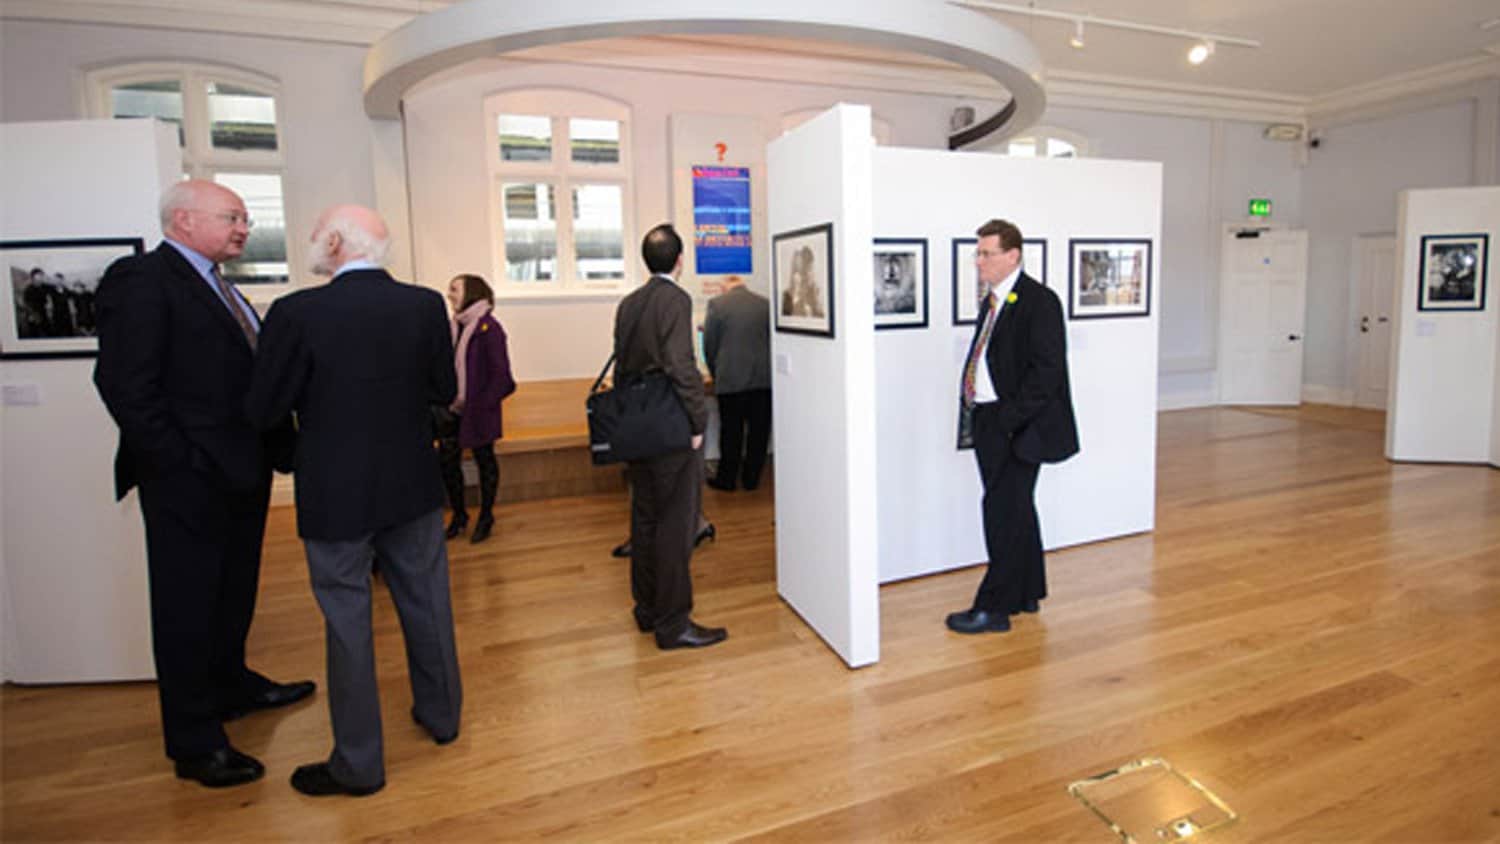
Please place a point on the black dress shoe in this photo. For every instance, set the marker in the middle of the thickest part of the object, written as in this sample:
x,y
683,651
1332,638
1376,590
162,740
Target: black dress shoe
x,y
456,527
447,738
221,769
482,529
978,621
316,780
692,636
277,694
722,486
621,550
708,532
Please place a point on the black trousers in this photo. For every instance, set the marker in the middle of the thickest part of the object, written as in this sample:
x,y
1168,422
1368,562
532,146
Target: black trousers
x,y
664,501
1012,535
203,547
450,457
744,432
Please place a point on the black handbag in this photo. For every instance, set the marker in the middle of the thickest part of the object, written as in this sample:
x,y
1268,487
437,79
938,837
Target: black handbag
x,y
639,418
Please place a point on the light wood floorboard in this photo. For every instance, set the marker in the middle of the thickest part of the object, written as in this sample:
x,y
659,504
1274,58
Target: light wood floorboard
x,y
1311,631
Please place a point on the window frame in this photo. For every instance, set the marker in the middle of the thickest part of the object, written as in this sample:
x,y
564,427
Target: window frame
x,y
559,106
1043,137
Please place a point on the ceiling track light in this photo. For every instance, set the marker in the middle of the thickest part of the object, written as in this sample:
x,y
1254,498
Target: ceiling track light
x,y
1203,46
1076,42
1200,52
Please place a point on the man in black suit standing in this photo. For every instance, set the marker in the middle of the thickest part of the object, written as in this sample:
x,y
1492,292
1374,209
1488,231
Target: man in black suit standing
x,y
654,331
1016,409
737,348
360,360
176,344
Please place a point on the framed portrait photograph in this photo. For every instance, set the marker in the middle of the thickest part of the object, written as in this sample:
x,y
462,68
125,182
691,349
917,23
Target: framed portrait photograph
x,y
50,312
1109,278
1453,272
1034,259
802,280
965,281
900,283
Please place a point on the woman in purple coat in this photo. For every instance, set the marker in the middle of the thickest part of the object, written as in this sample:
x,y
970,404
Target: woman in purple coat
x,y
473,420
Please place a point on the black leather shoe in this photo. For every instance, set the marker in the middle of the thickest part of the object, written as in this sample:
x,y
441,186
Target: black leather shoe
x,y
278,694
692,636
1028,607
482,529
708,532
621,550
439,739
316,780
456,527
722,486
222,768
978,621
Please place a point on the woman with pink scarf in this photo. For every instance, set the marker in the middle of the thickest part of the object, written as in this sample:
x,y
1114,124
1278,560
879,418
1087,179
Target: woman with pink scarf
x,y
473,420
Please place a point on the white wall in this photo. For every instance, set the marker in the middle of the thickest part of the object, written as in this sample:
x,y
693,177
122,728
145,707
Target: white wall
x,y
824,402
928,490
1442,405
73,559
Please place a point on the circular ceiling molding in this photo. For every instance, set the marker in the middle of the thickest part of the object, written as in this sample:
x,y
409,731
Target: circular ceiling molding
x,y
480,28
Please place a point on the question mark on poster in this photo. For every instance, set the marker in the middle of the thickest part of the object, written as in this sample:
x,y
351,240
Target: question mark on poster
x,y
722,148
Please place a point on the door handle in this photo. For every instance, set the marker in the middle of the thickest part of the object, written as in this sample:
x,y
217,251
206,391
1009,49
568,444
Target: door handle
x,y
1294,337
1364,325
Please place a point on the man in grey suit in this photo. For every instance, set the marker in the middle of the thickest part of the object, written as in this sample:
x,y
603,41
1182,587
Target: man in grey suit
x,y
737,347
360,360
654,332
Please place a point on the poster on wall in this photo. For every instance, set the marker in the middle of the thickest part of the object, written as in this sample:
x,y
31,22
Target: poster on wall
x,y
721,219
900,283
50,307
965,281
802,280
1453,272
1109,278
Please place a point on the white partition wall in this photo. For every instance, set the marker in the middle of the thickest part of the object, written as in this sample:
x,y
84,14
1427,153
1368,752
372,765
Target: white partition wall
x,y
1444,404
72,559
929,517
825,392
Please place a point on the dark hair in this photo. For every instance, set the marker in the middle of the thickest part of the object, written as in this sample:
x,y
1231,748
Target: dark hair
x,y
475,289
1010,236
661,248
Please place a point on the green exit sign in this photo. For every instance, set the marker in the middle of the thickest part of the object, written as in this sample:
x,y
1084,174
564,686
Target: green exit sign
x,y
1260,207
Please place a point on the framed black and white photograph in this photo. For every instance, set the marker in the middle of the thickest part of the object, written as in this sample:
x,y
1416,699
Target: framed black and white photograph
x,y
1034,259
965,281
1109,278
802,280
50,312
1453,273
900,283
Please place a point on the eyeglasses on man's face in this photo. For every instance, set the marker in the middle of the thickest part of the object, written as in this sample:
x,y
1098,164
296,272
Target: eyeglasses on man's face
x,y
232,218
988,253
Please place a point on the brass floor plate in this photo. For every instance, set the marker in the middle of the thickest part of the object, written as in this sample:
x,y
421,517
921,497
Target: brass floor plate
x,y
1148,801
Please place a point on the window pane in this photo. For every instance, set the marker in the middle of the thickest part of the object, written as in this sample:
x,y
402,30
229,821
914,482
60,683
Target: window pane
x,y
1023,148
525,138
530,231
161,99
1058,148
264,260
599,231
240,118
595,141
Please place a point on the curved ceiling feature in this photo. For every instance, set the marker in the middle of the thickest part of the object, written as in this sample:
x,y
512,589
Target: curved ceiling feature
x,y
480,28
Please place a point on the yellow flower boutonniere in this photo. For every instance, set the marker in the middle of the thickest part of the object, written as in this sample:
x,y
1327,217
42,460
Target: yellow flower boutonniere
x,y
1011,298
484,326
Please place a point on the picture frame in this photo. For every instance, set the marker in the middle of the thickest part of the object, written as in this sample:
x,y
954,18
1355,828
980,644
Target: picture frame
x,y
49,293
1453,272
900,283
1109,278
965,281
802,280
1034,259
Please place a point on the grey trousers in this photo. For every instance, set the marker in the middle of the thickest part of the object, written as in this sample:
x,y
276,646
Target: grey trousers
x,y
414,565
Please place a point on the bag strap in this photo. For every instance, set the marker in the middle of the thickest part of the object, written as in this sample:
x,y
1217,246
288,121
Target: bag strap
x,y
629,336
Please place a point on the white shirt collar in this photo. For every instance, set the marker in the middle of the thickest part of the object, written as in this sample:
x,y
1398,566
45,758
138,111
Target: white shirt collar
x,y
1001,290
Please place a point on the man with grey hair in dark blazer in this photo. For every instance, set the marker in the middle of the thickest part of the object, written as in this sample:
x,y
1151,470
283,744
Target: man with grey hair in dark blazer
x,y
654,332
737,348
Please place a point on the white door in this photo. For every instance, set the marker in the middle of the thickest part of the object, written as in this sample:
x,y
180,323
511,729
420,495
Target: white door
x,y
1375,269
1263,284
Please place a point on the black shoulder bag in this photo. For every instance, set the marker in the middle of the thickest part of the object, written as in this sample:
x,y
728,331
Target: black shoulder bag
x,y
641,417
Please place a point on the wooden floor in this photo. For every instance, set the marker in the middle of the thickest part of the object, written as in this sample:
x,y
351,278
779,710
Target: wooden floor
x,y
1312,632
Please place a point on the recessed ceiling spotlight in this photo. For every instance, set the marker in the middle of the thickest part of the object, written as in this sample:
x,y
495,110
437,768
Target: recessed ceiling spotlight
x,y
1076,42
1200,52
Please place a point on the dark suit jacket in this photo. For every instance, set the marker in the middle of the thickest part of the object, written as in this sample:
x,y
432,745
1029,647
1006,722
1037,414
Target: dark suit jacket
x,y
663,340
1028,364
360,359
173,369
737,341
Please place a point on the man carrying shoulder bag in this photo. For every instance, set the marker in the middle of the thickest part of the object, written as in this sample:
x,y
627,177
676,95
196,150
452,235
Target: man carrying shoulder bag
x,y
653,332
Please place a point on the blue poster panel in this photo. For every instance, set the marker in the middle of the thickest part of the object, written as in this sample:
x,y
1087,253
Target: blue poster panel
x,y
721,219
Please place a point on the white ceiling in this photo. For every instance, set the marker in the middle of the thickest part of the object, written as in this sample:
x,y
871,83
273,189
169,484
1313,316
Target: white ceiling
x,y
1311,49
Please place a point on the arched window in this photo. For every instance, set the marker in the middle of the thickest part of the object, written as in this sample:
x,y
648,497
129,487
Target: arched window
x,y
228,130
1044,142
560,187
